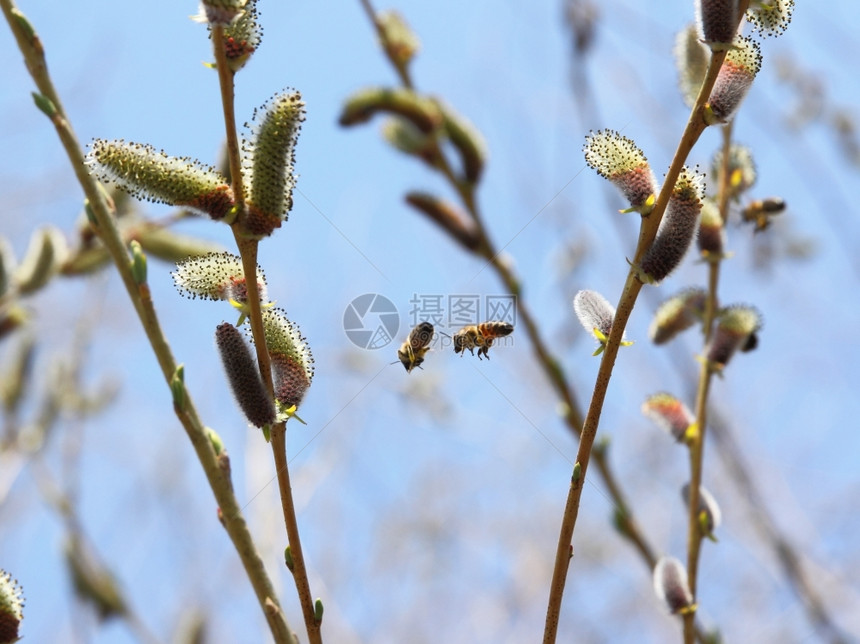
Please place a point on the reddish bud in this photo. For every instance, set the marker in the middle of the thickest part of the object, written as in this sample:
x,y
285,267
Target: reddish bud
x,y
244,375
669,414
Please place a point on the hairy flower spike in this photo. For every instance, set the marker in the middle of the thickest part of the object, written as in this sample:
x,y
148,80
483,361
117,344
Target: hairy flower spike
x,y
596,315
447,216
399,41
11,608
617,158
216,276
244,375
467,140
712,232
242,37
151,175
268,160
770,17
691,60
292,362
670,584
677,314
422,112
669,414
709,511
737,328
741,168
221,12
676,230
718,22
742,63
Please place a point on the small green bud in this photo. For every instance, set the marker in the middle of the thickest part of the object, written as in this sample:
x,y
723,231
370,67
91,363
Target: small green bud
x,y
215,440
24,24
577,472
45,104
288,559
138,263
318,611
177,388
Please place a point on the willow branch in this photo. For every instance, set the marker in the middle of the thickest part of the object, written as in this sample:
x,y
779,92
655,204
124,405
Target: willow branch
x,y
139,294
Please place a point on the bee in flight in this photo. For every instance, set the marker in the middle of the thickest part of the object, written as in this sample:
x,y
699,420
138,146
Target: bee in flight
x,y
480,336
411,353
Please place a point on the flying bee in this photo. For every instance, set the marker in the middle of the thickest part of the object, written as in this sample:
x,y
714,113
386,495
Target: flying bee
x,y
411,353
480,337
761,211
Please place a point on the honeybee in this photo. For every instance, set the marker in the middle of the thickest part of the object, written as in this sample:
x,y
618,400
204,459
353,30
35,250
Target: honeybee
x,y
480,336
411,353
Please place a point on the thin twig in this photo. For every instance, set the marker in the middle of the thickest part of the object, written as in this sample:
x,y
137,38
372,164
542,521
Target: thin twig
x,y
248,248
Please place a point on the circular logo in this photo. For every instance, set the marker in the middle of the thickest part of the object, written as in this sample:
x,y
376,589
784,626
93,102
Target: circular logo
x,y
371,321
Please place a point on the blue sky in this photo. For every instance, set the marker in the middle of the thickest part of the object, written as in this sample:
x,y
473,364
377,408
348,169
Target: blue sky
x,y
430,503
